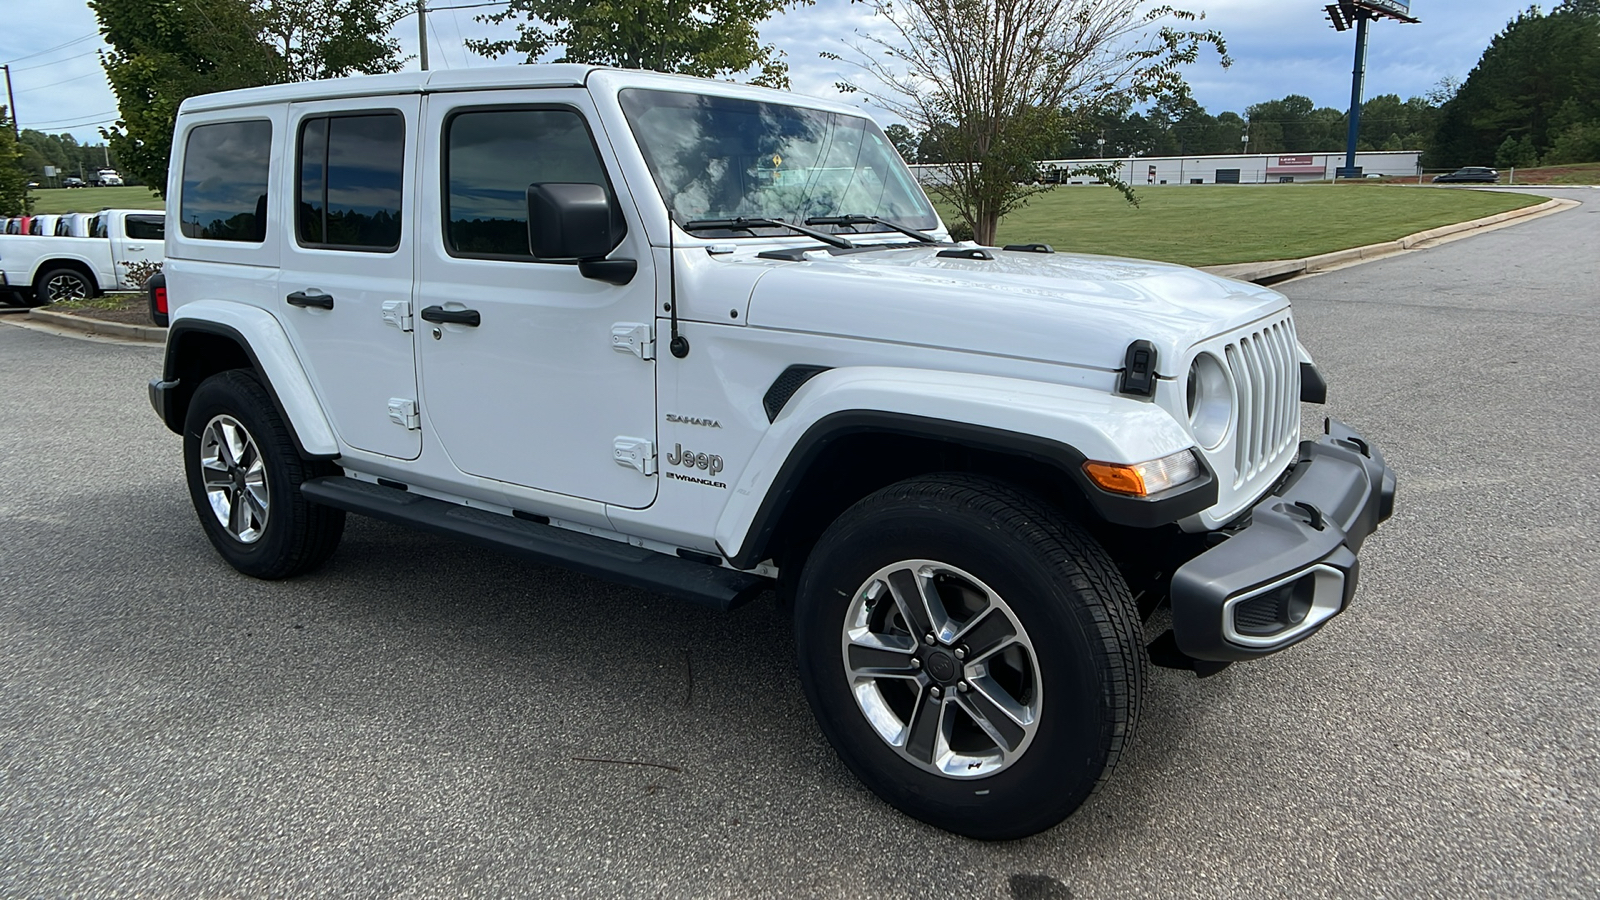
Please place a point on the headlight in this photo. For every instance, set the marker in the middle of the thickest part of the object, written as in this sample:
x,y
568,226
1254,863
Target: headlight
x,y
1210,401
1146,478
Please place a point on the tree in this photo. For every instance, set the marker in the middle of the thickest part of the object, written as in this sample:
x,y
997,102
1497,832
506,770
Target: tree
x,y
1007,79
332,38
13,178
690,37
904,141
165,51
1522,86
1514,153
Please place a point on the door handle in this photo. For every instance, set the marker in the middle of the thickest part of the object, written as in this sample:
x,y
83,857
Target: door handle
x,y
453,316
136,249
303,299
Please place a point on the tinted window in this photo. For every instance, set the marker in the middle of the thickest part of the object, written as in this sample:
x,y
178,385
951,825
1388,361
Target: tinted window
x,y
717,157
98,227
63,227
351,173
493,156
146,228
225,181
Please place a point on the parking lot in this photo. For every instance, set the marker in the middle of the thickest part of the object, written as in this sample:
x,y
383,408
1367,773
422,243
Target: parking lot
x,y
424,718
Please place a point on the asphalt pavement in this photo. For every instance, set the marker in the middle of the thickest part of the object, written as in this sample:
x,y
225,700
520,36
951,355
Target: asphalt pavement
x,y
421,718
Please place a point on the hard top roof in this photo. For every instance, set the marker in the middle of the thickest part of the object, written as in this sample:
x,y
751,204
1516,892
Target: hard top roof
x,y
488,78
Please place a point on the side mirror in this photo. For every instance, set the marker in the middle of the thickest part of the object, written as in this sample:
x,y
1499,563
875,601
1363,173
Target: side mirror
x,y
572,221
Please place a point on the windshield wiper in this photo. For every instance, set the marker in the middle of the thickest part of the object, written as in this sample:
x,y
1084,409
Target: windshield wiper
x,y
743,223
872,220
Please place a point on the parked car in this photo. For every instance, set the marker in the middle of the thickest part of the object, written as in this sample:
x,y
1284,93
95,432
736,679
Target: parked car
x,y
73,181
43,226
1469,175
73,225
706,339
18,225
47,269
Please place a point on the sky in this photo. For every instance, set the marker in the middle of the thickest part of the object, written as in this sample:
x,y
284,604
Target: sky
x,y
1279,47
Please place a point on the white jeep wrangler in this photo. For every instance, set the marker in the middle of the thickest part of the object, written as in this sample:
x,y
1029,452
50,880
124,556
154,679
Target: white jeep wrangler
x,y
706,339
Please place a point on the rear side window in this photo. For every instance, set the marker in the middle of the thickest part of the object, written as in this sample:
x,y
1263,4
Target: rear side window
x,y
491,158
225,170
350,182
147,228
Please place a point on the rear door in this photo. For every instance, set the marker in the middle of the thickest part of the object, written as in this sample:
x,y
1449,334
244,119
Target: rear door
x,y
142,241
345,276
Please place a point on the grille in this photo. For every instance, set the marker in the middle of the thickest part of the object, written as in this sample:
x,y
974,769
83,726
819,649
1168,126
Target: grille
x,y
1266,373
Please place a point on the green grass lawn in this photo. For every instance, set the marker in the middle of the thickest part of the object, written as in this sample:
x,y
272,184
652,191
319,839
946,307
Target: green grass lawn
x,y
1205,225
1577,173
94,199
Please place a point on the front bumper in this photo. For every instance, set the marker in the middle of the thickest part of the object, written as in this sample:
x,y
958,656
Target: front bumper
x,y
1274,582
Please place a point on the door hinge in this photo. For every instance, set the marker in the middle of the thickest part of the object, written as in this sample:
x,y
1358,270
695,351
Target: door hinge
x,y
403,412
397,313
635,453
634,337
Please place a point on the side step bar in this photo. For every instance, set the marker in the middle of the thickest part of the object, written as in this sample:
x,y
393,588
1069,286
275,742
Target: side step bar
x,y
623,563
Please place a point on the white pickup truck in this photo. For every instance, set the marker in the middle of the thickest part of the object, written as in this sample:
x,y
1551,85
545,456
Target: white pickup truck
x,y
45,269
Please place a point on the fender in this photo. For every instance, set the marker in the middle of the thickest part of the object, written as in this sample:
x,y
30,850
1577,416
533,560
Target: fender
x,y
265,342
1060,424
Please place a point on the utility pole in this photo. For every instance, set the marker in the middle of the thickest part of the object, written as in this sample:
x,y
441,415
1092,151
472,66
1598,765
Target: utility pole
x,y
11,108
422,32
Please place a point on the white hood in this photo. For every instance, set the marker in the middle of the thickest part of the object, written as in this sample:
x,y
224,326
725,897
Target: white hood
x,y
1068,308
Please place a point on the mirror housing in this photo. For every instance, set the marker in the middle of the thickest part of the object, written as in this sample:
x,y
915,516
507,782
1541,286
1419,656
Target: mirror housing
x,y
572,221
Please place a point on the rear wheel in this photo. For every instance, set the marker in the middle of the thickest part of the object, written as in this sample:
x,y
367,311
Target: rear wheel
x,y
973,657
61,284
244,477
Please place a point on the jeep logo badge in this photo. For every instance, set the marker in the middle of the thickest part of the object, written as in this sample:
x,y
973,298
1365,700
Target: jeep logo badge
x,y
692,460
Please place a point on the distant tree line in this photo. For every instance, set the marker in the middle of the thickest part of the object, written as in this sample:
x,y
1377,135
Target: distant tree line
x,y
1533,98
1179,126
68,156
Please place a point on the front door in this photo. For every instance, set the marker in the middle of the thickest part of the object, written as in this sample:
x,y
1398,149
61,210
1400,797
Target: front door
x,y
536,393
345,281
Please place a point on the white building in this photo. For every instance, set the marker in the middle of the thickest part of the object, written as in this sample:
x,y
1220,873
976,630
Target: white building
x,y
1239,168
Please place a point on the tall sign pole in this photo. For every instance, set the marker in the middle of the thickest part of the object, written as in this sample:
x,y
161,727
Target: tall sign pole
x,y
1358,83
1358,13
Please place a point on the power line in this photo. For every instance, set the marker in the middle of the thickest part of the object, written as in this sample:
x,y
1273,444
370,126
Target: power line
x,y
61,82
80,40
68,123
57,62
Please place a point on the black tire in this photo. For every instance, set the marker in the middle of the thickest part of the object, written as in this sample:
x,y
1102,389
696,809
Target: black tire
x,y
62,284
1075,613
294,536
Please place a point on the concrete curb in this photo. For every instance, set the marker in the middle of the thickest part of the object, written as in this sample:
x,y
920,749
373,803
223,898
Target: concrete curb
x,y
1280,269
87,325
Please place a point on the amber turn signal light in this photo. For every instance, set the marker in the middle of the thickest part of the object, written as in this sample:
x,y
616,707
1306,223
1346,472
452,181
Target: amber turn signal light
x,y
1146,478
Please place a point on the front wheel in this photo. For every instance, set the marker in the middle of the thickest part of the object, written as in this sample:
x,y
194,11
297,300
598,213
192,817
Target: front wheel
x,y
974,658
244,477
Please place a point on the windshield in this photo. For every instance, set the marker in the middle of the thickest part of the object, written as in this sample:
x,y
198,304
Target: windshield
x,y
719,158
